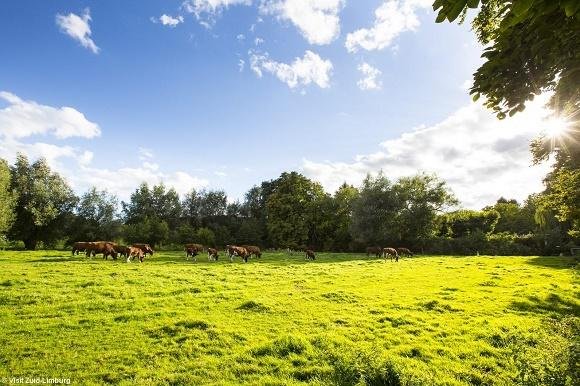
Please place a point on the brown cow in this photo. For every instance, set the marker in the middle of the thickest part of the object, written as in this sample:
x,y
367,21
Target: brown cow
x,y
253,250
392,252
377,251
310,254
242,252
134,252
122,250
197,248
79,246
104,247
404,252
145,248
212,254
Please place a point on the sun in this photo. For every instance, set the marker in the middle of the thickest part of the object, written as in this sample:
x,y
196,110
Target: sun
x,y
556,127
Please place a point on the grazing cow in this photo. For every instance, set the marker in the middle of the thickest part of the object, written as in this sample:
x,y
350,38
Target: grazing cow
x,y
392,252
191,252
377,251
104,247
212,254
241,252
404,252
122,250
134,252
193,247
145,248
310,254
230,250
253,250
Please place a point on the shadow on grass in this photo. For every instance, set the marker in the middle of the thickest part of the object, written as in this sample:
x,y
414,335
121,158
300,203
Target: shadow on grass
x,y
557,262
553,304
55,259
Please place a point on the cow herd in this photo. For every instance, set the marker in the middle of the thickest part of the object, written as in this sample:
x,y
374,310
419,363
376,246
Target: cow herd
x,y
109,248
393,253
140,251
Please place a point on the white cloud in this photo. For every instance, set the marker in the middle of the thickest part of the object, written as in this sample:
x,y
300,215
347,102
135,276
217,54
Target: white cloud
x,y
258,41
25,118
208,10
241,64
145,153
317,20
301,72
392,18
168,20
370,75
241,37
124,181
78,28
479,156
221,174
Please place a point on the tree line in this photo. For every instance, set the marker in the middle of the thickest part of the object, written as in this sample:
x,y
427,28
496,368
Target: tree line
x,y
38,209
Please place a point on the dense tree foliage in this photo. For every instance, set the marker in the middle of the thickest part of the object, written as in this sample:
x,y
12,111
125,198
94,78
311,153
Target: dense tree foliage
x,y
401,213
45,203
96,217
290,211
293,209
7,199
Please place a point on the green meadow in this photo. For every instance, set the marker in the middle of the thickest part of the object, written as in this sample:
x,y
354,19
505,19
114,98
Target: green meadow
x,y
343,319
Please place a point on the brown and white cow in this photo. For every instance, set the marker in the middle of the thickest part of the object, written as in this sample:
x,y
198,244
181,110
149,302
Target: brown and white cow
x,y
391,252
241,252
193,248
145,248
134,252
212,254
310,254
191,252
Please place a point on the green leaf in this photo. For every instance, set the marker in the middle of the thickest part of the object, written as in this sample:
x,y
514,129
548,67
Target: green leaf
x,y
520,7
440,17
472,3
476,97
437,4
456,10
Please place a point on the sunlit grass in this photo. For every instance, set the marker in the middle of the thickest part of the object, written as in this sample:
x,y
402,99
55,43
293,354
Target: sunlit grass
x,y
341,319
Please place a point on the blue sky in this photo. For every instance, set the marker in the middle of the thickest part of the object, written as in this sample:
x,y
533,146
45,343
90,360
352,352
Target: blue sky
x,y
224,94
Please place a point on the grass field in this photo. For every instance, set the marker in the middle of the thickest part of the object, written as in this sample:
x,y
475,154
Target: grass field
x,y
342,319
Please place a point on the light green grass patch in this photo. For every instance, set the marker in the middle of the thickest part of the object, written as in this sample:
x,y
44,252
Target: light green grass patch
x,y
342,319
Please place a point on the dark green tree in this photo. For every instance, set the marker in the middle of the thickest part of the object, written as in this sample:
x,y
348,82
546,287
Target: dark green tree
x,y
375,212
45,203
344,199
7,199
422,198
464,222
96,217
290,209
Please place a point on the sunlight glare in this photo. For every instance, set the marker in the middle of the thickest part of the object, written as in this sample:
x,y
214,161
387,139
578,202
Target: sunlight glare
x,y
556,127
